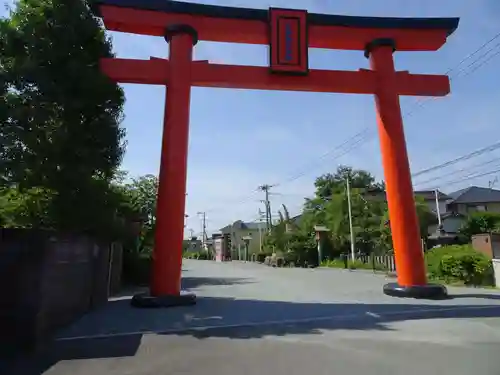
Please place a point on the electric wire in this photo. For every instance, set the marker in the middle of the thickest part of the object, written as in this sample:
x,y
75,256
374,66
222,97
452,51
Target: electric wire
x,y
367,133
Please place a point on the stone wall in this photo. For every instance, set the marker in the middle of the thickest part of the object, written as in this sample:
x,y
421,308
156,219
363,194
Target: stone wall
x,y
47,280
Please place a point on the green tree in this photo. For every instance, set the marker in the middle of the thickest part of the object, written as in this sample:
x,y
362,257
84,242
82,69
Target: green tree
x,y
141,195
480,222
329,207
60,115
28,209
425,219
328,184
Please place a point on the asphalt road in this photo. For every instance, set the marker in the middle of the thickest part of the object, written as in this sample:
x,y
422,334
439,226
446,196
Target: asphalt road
x,y
252,319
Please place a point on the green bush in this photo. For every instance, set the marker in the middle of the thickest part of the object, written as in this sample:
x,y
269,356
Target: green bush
x,y
335,263
459,263
353,265
201,255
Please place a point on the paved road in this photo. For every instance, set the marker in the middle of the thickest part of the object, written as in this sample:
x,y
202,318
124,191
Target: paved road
x,y
252,319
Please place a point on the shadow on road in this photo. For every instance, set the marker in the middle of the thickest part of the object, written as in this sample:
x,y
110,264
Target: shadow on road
x,y
188,283
116,330
44,359
476,295
196,282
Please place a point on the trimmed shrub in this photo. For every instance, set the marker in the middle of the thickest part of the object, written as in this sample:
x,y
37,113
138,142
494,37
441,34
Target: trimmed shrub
x,y
460,263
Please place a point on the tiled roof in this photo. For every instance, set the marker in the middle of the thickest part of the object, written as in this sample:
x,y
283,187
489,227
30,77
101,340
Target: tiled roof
x,y
426,194
429,194
475,194
240,225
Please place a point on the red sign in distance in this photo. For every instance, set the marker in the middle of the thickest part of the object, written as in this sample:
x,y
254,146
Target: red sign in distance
x,y
288,41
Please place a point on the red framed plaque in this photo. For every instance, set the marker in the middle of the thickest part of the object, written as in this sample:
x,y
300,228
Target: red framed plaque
x,y
288,45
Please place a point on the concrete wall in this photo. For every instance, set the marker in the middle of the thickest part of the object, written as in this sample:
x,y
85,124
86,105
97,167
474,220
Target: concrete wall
x,y
496,268
46,282
487,243
253,245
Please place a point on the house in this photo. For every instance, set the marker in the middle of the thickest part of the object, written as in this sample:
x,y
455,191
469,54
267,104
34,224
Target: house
x,y
464,202
453,207
450,221
474,199
192,245
429,196
240,229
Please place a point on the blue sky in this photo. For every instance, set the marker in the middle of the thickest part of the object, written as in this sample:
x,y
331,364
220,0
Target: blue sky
x,y
240,139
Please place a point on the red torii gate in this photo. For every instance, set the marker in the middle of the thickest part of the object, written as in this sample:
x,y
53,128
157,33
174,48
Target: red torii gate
x,y
289,34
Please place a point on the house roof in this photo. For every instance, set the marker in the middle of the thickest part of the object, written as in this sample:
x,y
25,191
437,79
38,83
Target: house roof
x,y
475,194
426,194
240,225
429,194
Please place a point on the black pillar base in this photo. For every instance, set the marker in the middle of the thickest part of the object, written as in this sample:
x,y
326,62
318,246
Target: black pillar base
x,y
144,300
429,291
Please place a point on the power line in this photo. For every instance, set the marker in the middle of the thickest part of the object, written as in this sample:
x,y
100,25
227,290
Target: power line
x,y
467,178
203,228
367,133
481,151
265,188
454,172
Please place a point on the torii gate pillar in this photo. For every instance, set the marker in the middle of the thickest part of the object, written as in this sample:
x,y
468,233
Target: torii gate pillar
x,y
289,34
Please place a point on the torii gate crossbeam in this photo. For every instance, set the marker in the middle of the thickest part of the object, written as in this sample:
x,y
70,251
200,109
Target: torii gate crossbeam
x,y
289,34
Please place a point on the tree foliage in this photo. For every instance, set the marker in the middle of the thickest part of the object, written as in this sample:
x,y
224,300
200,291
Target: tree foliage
x,y
60,116
141,194
329,207
480,222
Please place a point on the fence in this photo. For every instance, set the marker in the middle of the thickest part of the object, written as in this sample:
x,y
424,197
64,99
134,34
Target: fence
x,y
387,261
47,281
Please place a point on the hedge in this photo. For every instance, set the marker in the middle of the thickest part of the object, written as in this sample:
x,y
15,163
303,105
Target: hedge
x,y
353,265
460,263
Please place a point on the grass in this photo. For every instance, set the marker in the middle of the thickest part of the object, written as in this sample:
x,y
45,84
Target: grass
x,y
353,265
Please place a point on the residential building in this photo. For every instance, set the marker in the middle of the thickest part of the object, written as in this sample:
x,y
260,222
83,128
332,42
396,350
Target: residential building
x,y
464,202
450,221
192,245
429,196
474,199
240,229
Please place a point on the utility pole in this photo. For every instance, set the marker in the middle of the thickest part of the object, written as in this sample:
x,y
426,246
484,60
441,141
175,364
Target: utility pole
x,y
265,188
349,208
260,229
203,229
438,213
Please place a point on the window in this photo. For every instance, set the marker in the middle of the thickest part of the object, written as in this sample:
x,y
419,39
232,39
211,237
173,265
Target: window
x,y
476,208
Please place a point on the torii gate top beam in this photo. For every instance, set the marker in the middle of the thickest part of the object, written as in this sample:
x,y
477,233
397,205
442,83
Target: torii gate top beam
x,y
251,26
